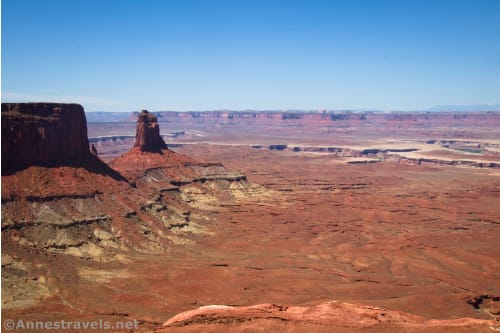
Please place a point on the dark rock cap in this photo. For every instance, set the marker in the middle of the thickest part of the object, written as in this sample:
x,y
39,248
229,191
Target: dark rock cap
x,y
147,136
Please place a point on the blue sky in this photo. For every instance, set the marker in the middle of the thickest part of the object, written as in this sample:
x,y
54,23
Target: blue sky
x,y
123,55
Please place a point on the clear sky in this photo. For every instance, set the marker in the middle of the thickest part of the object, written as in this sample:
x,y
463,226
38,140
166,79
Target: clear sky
x,y
123,55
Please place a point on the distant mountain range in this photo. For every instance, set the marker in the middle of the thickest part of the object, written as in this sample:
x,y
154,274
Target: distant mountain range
x,y
104,116
472,107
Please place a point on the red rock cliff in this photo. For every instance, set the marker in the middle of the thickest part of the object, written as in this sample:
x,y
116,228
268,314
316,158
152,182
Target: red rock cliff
x,y
147,136
44,134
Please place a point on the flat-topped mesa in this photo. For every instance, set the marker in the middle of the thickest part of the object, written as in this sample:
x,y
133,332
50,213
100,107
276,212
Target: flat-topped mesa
x,y
44,134
147,136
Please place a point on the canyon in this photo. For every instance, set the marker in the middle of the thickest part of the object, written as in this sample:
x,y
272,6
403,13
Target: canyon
x,y
252,221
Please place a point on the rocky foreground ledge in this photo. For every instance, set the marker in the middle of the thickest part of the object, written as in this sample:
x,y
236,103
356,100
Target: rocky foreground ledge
x,y
333,316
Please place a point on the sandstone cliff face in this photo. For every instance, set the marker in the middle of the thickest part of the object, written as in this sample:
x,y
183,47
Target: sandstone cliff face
x,y
45,134
148,133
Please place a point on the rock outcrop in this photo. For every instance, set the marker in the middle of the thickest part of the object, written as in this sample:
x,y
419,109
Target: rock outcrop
x,y
150,161
202,185
328,316
147,136
44,134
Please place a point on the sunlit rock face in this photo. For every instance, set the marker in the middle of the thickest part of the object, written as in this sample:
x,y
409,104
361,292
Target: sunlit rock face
x,y
148,133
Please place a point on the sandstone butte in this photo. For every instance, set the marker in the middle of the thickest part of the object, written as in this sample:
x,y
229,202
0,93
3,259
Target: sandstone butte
x,y
68,219
147,137
43,134
150,152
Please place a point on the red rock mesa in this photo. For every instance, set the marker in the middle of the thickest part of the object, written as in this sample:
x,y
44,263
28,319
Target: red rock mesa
x,y
45,134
